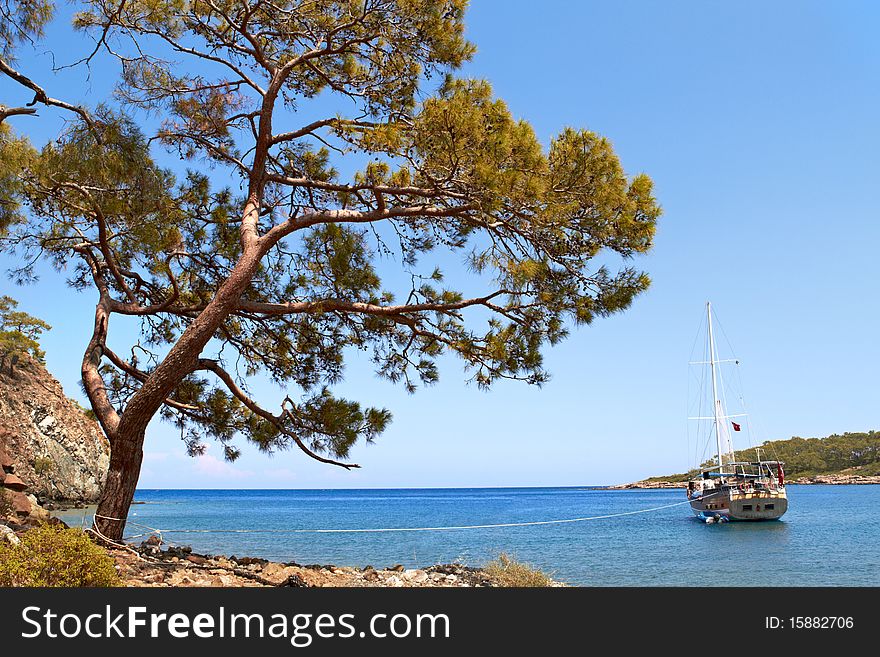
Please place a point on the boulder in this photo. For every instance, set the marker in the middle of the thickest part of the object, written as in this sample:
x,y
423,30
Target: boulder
x,y
14,482
38,513
21,503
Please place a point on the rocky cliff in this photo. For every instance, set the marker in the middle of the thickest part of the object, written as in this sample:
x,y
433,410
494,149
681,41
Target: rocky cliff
x,y
54,448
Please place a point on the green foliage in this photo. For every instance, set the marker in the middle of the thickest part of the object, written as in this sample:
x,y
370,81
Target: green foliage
x,y
508,572
51,555
854,453
20,332
78,187
22,20
16,154
849,453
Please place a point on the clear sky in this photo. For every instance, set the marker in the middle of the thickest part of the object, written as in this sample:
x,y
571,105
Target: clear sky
x,y
758,124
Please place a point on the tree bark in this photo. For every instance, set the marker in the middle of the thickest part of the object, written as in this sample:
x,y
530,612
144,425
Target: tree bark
x,y
126,456
126,444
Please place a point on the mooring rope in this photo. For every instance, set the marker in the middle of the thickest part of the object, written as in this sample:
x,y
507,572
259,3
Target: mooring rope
x,y
400,529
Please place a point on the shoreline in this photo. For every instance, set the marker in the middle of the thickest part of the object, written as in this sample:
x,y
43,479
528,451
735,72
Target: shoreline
x,y
148,565
827,480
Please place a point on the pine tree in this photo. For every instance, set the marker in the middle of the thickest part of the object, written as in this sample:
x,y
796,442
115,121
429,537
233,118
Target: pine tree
x,y
268,255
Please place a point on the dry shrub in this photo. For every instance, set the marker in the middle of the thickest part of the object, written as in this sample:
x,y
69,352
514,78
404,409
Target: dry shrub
x,y
506,571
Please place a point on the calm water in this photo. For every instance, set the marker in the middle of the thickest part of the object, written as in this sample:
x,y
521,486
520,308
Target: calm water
x,y
830,535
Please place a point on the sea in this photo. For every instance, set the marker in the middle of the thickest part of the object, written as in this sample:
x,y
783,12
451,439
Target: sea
x,y
830,535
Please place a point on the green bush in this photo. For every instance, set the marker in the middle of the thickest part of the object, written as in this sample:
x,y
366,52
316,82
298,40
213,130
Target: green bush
x,y
52,555
43,465
505,571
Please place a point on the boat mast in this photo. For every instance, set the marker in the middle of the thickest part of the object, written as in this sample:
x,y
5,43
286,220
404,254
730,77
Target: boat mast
x,y
716,402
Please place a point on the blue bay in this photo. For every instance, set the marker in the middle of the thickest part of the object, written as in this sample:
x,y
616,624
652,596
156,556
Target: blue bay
x,y
828,537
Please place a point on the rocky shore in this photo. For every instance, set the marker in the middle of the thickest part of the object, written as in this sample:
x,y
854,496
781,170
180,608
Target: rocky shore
x,y
149,565
838,479
649,484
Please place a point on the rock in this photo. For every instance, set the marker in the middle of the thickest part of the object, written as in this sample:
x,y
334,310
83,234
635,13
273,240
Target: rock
x,y
371,576
397,569
838,479
417,576
277,574
8,535
21,503
54,448
650,485
394,581
38,513
14,482
250,561
295,581
272,569
6,462
152,540
196,559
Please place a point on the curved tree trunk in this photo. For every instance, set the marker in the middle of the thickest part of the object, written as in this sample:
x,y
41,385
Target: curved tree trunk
x,y
127,441
126,456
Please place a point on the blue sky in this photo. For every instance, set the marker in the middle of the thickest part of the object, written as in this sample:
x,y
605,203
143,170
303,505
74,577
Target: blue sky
x,y
758,124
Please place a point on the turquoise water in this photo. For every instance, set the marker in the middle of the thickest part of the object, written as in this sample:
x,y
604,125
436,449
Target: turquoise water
x,y
830,535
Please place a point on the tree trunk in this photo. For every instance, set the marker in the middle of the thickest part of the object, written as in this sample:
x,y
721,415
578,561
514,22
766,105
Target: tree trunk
x,y
127,438
126,455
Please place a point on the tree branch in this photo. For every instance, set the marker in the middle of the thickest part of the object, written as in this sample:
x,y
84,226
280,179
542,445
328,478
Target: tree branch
x,y
42,97
6,112
329,305
140,375
276,420
313,218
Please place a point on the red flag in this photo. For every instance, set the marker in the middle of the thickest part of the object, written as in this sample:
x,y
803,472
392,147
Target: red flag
x,y
736,427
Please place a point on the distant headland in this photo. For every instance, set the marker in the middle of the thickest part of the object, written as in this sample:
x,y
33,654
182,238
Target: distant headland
x,y
848,458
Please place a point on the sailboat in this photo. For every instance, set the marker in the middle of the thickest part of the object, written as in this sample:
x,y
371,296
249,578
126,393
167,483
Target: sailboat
x,y
729,489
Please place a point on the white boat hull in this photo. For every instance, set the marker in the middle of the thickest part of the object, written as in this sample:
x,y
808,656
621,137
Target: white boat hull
x,y
764,505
